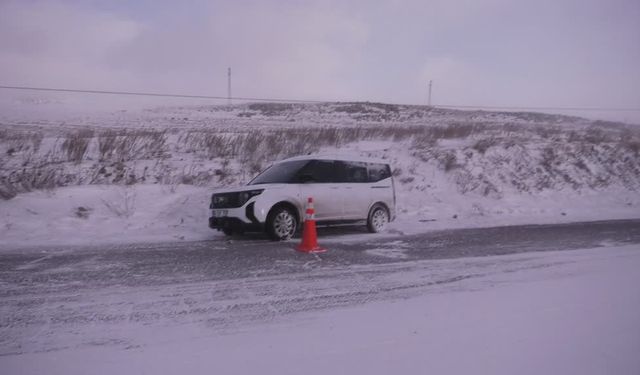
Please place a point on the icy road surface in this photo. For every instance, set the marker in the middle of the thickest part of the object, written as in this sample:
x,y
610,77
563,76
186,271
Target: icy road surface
x,y
69,298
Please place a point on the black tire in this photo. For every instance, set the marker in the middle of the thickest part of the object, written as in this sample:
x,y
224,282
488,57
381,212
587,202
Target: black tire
x,y
281,223
378,218
227,231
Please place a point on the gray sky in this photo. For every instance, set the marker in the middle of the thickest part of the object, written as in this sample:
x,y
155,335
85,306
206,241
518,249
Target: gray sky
x,y
477,52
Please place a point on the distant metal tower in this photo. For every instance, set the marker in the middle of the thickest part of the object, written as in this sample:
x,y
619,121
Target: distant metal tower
x,y
229,86
429,100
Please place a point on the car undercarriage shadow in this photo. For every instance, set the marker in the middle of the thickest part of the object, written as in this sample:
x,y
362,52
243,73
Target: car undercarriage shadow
x,y
323,231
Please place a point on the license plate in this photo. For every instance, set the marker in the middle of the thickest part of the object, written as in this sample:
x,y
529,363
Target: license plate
x,y
219,213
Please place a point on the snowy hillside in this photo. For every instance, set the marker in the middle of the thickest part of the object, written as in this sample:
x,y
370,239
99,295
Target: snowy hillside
x,y
479,168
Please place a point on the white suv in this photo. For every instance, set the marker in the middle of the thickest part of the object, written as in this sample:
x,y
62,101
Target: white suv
x,y
344,190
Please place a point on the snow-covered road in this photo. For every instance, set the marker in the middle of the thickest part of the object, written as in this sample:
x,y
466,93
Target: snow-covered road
x,y
388,303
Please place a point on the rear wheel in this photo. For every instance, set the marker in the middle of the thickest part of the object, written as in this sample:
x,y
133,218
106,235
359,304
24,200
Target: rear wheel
x,y
377,219
281,223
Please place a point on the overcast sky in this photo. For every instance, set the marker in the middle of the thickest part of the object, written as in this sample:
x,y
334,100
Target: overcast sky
x,y
477,52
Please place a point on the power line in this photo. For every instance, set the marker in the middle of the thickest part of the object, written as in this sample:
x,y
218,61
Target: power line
x,y
603,109
157,94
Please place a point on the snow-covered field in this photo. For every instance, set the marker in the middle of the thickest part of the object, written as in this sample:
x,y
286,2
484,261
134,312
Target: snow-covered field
x,y
569,312
145,175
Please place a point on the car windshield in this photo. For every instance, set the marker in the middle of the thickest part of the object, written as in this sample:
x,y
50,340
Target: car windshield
x,y
281,173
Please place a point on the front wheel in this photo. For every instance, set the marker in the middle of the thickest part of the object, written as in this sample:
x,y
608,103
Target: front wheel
x,y
377,219
281,224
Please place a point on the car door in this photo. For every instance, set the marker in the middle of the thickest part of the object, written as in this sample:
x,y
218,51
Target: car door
x,y
381,185
318,180
356,190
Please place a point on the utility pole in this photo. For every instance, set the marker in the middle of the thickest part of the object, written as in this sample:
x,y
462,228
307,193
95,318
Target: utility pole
x,y
429,101
229,86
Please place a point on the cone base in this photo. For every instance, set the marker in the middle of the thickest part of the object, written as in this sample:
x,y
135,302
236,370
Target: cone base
x,y
316,249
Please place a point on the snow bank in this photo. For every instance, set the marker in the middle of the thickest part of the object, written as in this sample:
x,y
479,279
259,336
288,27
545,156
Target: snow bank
x,y
91,215
105,214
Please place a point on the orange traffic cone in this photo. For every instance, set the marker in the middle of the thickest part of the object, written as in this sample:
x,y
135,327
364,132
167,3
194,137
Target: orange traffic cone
x,y
309,242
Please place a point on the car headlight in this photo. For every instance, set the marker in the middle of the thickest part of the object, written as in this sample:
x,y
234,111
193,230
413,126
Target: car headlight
x,y
246,195
219,200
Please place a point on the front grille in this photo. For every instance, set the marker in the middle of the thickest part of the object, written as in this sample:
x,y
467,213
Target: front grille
x,y
225,200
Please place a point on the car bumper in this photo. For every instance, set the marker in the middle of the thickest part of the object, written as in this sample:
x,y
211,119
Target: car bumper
x,y
237,219
234,224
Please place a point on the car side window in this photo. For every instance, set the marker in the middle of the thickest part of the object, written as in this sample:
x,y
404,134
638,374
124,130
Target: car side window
x,y
318,171
355,172
378,172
